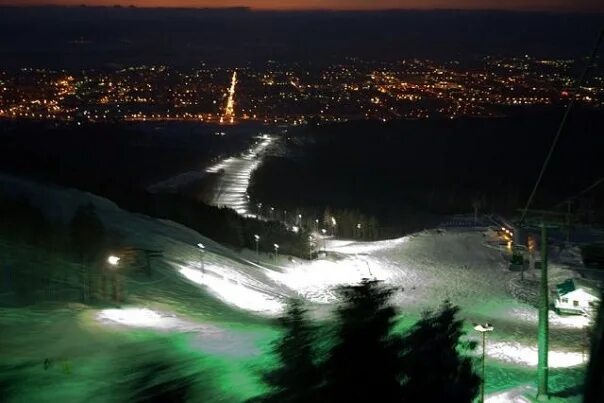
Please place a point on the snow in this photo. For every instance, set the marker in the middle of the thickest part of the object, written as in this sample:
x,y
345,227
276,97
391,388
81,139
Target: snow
x,y
427,268
514,352
237,172
234,292
515,395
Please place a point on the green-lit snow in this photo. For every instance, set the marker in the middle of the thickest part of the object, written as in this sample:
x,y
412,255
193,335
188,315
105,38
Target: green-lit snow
x,y
219,325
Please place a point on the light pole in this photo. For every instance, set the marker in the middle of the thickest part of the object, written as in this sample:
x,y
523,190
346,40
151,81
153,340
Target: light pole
x,y
257,239
324,231
202,253
359,230
487,327
114,261
276,251
316,225
310,247
300,220
333,226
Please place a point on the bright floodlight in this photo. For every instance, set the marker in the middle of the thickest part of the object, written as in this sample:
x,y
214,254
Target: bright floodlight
x,y
257,237
201,246
323,230
276,246
487,327
113,260
333,221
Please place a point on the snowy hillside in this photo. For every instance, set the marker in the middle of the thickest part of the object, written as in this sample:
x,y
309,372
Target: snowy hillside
x,y
427,268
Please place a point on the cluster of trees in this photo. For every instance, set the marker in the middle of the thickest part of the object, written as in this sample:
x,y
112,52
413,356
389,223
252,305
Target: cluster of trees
x,y
223,225
83,242
354,224
408,174
368,360
119,162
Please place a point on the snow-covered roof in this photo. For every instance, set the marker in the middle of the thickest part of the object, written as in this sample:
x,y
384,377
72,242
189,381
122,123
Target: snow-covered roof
x,y
573,284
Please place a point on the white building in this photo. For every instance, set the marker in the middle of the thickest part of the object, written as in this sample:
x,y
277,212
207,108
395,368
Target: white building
x,y
575,296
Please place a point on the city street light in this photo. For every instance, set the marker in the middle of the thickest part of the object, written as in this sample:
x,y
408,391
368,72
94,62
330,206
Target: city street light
x,y
202,252
316,224
310,238
487,327
276,251
300,220
113,260
257,239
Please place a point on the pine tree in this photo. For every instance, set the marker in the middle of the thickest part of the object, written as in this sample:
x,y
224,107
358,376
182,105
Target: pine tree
x,y
363,365
87,233
297,378
435,370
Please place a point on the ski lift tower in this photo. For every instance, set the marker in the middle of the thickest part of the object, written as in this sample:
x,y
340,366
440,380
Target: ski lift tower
x,y
541,220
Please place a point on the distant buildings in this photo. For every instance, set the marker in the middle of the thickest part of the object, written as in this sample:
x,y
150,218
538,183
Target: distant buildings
x,y
295,93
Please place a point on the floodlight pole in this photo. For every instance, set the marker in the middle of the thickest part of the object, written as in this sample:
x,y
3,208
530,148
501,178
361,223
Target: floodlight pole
x,y
487,327
484,348
543,332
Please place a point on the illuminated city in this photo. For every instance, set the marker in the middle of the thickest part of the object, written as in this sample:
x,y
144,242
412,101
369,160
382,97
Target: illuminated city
x,y
413,89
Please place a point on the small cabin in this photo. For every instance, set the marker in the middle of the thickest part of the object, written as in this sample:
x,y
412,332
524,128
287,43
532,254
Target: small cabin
x,y
575,296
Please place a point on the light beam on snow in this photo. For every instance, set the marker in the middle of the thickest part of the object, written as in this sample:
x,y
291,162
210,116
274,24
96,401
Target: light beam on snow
x,y
234,292
516,353
236,177
140,317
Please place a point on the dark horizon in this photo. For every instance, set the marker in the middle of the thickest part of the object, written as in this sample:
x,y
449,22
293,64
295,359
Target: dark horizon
x,y
93,37
244,8
517,5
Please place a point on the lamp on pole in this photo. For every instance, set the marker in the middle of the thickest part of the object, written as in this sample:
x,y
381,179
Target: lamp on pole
x,y
324,231
202,253
310,238
257,240
316,224
299,220
114,261
487,327
276,251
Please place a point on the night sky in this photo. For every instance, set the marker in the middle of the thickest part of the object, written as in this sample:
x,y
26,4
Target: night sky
x,y
520,5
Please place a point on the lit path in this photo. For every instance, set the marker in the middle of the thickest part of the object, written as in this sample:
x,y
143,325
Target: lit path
x,y
231,188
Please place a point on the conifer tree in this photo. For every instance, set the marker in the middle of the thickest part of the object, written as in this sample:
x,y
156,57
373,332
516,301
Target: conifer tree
x,y
435,368
363,365
297,378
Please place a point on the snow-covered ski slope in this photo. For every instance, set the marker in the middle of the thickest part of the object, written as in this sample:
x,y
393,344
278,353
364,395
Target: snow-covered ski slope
x,y
427,267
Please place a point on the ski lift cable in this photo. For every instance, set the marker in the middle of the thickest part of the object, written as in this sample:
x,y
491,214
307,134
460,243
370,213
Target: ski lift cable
x,y
581,193
578,85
